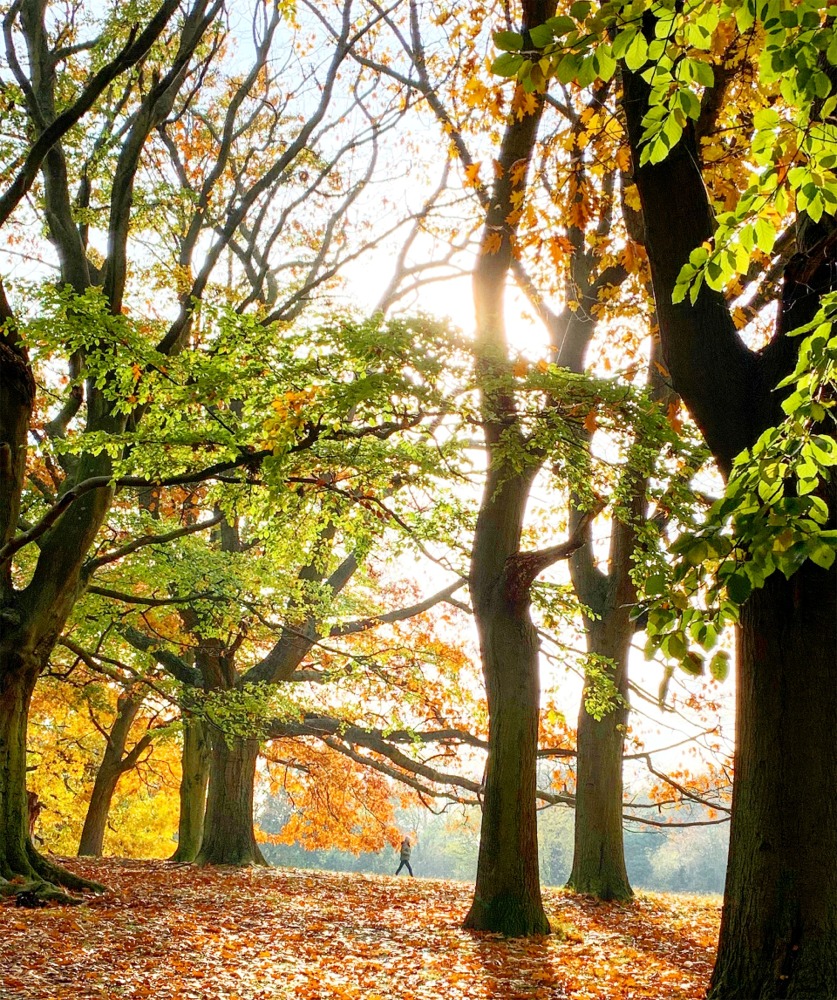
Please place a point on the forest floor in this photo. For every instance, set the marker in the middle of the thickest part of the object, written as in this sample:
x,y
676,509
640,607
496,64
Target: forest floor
x,y
181,933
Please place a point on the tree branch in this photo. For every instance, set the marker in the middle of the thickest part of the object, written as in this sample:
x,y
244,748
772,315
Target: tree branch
x,y
135,50
190,529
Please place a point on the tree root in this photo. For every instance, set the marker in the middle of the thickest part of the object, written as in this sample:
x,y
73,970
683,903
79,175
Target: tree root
x,y
55,874
34,893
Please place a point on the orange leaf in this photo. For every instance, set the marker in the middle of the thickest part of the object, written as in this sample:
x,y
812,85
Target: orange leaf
x,y
492,241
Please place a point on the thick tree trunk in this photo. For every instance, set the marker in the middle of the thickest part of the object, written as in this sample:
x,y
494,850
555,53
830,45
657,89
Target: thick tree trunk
x,y
599,853
15,694
193,785
19,861
228,837
779,929
507,897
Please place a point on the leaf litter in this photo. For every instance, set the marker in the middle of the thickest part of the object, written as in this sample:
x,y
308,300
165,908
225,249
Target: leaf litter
x,y
175,932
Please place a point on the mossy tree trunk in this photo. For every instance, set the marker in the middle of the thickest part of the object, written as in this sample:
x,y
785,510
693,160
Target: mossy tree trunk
x,y
193,785
598,852
15,693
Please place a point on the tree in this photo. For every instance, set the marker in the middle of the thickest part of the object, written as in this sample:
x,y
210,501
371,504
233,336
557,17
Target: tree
x,y
82,784
121,361
520,240
116,760
35,612
778,933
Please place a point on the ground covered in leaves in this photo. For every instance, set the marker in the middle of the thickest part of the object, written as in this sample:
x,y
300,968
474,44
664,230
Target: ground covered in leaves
x,y
168,931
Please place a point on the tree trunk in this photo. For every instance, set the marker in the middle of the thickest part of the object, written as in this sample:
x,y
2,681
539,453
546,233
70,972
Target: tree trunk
x,y
599,852
228,837
193,784
16,688
507,896
114,764
18,858
93,833
779,928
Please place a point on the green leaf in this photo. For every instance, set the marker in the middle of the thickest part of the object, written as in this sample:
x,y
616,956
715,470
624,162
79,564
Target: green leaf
x,y
568,68
511,41
637,55
765,235
507,64
692,663
675,646
622,42
561,25
604,63
823,555
580,9
739,587
719,665
541,35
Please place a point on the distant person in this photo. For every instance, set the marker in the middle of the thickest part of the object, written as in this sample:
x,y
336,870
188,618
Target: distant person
x,y
406,851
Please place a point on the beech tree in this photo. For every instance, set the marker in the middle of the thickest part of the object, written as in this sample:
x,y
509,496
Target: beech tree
x,y
127,367
775,575
559,234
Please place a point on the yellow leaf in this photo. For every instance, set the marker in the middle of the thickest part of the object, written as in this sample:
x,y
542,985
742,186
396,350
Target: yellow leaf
x,y
623,159
517,174
472,175
523,104
632,197
521,367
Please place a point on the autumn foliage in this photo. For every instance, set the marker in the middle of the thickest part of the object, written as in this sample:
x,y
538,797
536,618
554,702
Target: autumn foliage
x,y
171,932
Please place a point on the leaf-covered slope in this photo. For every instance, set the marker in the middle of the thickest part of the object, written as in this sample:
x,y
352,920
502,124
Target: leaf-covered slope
x,y
176,932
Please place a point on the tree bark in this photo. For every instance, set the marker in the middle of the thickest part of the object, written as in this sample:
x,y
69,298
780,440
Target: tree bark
x,y
193,785
112,767
599,853
92,837
16,687
507,895
778,933
779,928
228,837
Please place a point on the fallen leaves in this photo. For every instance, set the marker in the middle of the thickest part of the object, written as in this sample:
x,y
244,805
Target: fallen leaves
x,y
268,934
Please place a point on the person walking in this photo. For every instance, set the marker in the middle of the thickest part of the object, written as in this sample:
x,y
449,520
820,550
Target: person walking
x,y
406,851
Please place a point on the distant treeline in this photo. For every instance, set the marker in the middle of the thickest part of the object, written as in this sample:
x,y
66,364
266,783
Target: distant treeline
x,y
688,859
